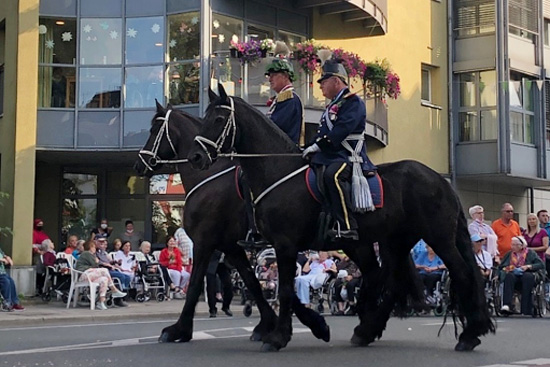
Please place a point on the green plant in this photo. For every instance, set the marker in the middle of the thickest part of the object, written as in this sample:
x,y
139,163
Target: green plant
x,y
5,231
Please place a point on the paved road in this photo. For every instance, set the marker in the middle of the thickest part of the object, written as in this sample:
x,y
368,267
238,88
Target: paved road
x,y
224,342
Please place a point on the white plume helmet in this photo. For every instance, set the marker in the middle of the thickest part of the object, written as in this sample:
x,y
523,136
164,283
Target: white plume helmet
x,y
281,49
324,55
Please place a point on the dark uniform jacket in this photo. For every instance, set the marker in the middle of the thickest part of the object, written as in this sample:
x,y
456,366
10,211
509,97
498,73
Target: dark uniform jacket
x,y
287,113
348,115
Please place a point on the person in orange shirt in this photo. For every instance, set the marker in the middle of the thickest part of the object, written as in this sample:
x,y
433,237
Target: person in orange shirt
x,y
505,228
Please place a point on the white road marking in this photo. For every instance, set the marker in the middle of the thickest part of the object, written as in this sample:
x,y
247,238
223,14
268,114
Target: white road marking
x,y
535,362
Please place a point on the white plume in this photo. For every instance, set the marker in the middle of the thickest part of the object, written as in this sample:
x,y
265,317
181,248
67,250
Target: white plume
x,y
281,49
324,55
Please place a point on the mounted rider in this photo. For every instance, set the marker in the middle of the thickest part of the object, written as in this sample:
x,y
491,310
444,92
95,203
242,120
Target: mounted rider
x,y
339,151
287,112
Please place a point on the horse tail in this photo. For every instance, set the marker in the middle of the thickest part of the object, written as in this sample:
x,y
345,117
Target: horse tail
x,y
473,312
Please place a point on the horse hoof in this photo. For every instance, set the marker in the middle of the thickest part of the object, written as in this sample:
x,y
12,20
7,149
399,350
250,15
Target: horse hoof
x,y
326,334
256,337
266,347
360,342
467,346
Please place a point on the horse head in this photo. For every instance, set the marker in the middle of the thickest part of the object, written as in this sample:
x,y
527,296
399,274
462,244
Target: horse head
x,y
162,145
218,132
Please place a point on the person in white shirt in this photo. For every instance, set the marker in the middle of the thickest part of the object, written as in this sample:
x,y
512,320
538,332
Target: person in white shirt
x,y
317,267
483,258
127,263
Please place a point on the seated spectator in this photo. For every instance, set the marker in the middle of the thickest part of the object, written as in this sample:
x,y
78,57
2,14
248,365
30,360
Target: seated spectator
x,y
170,257
71,244
48,253
114,269
351,277
520,269
152,265
117,245
127,262
419,250
7,285
430,267
536,237
268,276
89,264
315,269
484,230
79,249
483,258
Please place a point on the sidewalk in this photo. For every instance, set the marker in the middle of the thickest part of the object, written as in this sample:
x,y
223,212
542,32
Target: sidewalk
x,y
37,312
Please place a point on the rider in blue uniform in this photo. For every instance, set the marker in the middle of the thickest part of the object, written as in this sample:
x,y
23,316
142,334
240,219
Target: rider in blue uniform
x,y
341,128
287,112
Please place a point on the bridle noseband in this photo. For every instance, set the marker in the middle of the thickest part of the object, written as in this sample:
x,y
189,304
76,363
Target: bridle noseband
x,y
230,128
154,159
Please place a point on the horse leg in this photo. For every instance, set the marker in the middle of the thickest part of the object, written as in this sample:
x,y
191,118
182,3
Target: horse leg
x,y
268,318
182,330
280,337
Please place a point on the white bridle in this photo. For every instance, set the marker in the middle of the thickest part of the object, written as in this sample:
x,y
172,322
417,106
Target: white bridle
x,y
230,128
153,156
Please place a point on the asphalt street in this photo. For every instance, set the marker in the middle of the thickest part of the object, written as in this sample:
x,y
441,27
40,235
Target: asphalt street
x,y
224,342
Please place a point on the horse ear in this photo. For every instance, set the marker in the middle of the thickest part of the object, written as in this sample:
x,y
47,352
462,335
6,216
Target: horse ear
x,y
212,96
221,90
160,109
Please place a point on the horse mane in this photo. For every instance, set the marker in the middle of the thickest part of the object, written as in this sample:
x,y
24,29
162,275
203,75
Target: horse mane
x,y
196,121
272,130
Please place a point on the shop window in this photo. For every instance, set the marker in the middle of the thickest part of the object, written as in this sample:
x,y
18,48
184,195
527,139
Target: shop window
x,y
101,41
144,40
144,85
99,88
184,36
224,29
183,83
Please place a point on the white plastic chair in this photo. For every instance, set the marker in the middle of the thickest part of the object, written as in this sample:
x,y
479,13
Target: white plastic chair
x,y
156,254
70,258
77,284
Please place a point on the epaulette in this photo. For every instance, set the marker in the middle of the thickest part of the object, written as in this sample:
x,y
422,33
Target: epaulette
x,y
348,95
284,95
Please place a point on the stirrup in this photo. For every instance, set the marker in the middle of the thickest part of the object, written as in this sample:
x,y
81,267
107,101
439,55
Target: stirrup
x,y
253,240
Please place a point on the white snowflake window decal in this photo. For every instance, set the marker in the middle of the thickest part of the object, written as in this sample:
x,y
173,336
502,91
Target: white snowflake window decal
x,y
87,28
131,32
66,36
50,44
155,28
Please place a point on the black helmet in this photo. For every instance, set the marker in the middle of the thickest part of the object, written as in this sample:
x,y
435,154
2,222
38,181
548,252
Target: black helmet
x,y
333,68
279,65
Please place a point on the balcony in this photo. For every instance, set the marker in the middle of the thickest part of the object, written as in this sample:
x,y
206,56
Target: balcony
x,y
249,82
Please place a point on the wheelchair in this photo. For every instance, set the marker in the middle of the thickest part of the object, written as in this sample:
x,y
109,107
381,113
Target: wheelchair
x,y
440,298
322,295
332,296
539,296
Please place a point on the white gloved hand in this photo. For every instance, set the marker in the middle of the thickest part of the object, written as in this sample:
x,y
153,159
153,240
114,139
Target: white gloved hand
x,y
310,150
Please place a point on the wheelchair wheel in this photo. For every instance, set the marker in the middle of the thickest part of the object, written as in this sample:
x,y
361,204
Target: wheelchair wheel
x,y
46,297
321,307
161,297
440,310
539,301
140,298
247,310
148,295
65,298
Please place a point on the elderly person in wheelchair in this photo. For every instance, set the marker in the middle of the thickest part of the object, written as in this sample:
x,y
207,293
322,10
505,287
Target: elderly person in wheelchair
x,y
521,268
317,268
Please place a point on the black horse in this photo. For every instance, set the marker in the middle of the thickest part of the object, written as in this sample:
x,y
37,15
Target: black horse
x,y
418,203
214,218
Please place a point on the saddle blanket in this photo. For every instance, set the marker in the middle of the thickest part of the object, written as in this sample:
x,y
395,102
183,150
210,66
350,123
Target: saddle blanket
x,y
375,185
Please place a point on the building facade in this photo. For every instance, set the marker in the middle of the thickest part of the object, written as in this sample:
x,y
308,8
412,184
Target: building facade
x,y
80,77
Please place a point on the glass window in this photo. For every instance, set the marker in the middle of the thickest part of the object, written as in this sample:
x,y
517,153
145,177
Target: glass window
x,y
55,128
124,183
99,88
516,95
227,71
467,89
166,219
143,86
259,90
489,125
65,7
183,83
516,126
528,94
136,128
144,7
79,184
546,31
290,39
78,216
426,85
98,129
144,40
469,126
56,87
101,41
487,88
118,211
184,36
259,33
101,8
57,41
166,184
223,30
529,129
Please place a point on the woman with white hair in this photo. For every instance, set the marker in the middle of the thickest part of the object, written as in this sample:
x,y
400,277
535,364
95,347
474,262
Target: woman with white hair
x,y
479,227
520,269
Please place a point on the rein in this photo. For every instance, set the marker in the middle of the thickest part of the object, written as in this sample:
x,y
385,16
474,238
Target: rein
x,y
208,179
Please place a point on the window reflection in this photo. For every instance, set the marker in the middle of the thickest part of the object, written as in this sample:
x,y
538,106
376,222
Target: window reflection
x,y
166,184
167,217
56,86
57,44
184,36
223,29
183,87
99,88
143,86
144,40
101,41
227,72
79,184
136,128
290,39
79,216
98,129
